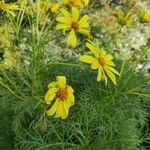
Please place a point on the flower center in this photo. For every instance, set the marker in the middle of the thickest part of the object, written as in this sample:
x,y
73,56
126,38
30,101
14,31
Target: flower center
x,y
102,61
75,26
72,2
62,94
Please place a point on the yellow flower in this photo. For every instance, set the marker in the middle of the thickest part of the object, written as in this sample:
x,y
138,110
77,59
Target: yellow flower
x,y
73,3
63,96
86,2
55,7
101,61
45,6
70,21
124,19
9,8
144,16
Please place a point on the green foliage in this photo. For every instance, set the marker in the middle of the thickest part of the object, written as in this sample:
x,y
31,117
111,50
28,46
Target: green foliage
x,y
103,117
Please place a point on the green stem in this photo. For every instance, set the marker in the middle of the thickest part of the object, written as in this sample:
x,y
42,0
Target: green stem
x,y
139,94
10,90
134,67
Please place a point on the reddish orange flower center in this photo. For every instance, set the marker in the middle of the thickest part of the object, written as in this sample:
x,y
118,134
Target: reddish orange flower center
x,y
75,26
102,61
62,94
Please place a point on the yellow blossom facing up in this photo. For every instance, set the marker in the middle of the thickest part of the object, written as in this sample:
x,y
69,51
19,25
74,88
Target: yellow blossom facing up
x,y
124,19
9,8
45,6
85,2
144,16
73,3
63,97
55,7
101,61
70,22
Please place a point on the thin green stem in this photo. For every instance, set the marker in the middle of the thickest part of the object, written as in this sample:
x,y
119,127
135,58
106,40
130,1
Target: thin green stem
x,y
57,144
139,94
134,67
10,90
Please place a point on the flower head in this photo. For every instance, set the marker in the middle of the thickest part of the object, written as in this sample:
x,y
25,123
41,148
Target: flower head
x,y
55,7
144,16
9,8
101,61
70,22
73,3
124,19
63,96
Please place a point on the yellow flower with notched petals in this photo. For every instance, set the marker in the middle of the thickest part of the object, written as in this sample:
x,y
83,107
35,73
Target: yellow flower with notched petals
x,y
63,96
124,19
144,16
70,21
73,3
101,61
9,8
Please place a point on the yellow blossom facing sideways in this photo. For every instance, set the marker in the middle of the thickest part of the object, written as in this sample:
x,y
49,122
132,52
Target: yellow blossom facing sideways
x,y
55,7
124,19
101,61
73,3
9,8
144,16
70,22
63,97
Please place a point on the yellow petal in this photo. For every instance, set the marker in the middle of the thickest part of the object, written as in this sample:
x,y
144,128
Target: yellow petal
x,y
110,63
111,75
104,76
61,110
99,76
52,84
87,59
93,49
83,23
95,65
90,60
84,31
109,57
50,95
53,109
70,89
113,70
71,99
75,14
62,20
61,80
72,40
62,26
66,15
102,53
66,106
